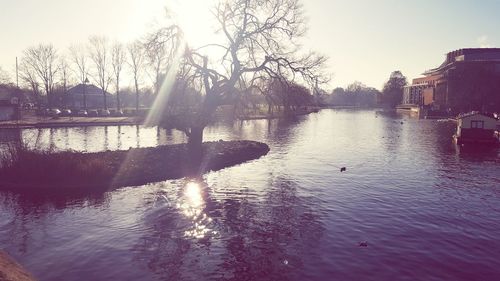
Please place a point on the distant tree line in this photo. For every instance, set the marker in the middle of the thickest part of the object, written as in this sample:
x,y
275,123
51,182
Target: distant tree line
x,y
358,94
355,94
46,73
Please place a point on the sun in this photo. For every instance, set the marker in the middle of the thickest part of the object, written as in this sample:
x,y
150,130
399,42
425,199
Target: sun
x,y
196,19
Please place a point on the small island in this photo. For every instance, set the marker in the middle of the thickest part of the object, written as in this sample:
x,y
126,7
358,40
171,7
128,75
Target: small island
x,y
71,171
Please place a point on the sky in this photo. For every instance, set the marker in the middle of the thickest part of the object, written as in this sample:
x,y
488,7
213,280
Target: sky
x,y
365,40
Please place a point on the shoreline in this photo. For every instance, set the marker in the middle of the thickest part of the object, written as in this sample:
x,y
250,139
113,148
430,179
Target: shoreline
x,y
10,270
109,170
63,122
68,122
280,115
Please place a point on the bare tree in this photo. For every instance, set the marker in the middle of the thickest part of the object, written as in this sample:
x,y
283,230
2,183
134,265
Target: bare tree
x,y
4,77
28,76
99,55
79,57
117,62
260,37
136,62
64,74
42,59
160,49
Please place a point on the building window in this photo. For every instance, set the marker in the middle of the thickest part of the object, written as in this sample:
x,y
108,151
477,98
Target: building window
x,y
477,124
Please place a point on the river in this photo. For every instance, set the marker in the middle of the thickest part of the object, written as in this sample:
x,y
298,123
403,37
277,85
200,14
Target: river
x,y
410,206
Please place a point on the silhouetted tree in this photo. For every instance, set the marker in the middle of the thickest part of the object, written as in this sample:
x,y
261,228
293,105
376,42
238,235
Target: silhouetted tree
x,y
392,93
183,96
4,77
356,94
79,57
290,95
29,77
136,63
338,91
160,48
99,54
117,62
64,76
41,61
260,37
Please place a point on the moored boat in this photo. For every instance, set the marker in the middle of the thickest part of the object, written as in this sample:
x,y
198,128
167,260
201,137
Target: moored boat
x,y
477,128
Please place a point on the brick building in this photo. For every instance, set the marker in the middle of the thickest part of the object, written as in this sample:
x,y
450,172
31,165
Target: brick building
x,y
468,79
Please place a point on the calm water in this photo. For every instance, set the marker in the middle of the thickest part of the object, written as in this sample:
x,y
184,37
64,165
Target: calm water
x,y
427,210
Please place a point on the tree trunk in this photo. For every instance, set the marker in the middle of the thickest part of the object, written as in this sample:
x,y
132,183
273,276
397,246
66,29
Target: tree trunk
x,y
136,96
105,100
49,97
118,106
84,96
195,140
286,109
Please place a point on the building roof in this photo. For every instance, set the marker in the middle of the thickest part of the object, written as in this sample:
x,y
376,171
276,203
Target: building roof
x,y
468,55
90,90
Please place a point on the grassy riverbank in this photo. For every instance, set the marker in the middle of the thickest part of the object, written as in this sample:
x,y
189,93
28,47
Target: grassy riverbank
x,y
74,171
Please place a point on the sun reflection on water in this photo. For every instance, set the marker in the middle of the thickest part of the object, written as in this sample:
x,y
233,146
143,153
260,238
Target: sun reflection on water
x,y
193,194
192,205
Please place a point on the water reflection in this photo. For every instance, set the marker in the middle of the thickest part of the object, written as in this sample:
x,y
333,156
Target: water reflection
x,y
478,152
10,135
269,240
85,139
227,237
92,139
192,204
106,138
138,136
27,215
394,130
119,138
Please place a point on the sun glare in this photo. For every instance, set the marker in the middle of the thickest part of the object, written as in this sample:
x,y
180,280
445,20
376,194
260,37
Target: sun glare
x,y
192,206
195,18
193,194
155,113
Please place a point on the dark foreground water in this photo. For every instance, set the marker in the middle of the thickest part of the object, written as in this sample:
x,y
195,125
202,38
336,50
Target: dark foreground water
x,y
426,209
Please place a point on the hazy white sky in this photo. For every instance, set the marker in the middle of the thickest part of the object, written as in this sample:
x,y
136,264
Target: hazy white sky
x,y
365,39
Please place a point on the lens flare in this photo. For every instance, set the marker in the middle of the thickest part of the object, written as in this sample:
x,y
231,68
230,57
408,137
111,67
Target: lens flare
x,y
156,112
